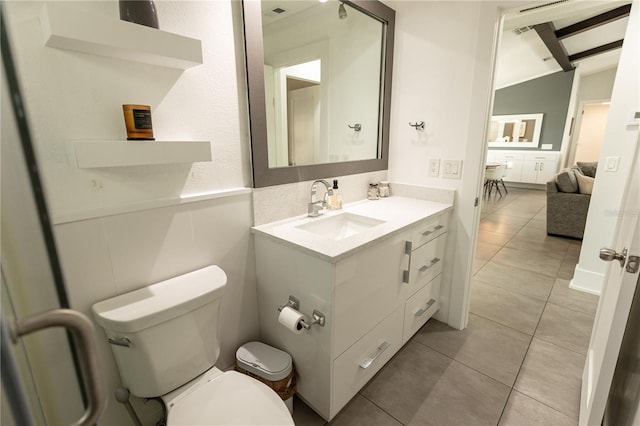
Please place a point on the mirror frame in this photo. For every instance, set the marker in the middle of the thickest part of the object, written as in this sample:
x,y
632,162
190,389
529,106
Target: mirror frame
x,y
263,175
537,131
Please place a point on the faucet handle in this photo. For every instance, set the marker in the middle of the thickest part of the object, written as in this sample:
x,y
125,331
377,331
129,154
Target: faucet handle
x,y
315,209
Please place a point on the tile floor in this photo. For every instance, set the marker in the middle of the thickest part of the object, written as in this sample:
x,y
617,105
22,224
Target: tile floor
x,y
520,360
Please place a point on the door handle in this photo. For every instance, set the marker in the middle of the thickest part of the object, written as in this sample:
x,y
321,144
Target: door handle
x,y
83,332
609,255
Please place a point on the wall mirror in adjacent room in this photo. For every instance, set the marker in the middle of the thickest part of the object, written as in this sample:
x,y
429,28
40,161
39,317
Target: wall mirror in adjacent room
x,y
319,82
515,131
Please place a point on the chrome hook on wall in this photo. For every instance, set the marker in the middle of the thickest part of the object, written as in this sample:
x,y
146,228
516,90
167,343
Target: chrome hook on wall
x,y
356,127
417,125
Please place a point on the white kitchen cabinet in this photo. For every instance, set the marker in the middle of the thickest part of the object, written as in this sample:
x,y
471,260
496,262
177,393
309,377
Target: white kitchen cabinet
x,y
539,168
526,167
514,162
374,299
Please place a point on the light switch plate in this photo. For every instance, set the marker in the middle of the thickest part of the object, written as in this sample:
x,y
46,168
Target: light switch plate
x,y
434,167
611,164
452,169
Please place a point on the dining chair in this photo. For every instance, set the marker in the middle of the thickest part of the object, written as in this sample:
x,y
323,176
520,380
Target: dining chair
x,y
493,177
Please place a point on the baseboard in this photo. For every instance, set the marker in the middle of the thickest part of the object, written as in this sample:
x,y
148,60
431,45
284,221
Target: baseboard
x,y
587,281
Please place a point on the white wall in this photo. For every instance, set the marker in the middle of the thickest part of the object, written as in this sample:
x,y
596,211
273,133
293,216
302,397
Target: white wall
x,y
111,234
589,87
591,132
620,140
598,86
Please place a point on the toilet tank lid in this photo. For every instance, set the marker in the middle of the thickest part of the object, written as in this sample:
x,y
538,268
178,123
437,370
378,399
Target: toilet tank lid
x,y
162,301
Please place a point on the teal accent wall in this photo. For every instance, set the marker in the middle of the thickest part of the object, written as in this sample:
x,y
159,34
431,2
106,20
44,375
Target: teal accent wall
x,y
548,95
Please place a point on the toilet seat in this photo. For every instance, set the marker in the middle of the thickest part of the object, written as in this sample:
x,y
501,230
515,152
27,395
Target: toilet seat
x,y
229,398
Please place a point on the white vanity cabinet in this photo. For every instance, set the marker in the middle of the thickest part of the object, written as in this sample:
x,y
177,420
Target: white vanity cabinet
x,y
426,250
374,298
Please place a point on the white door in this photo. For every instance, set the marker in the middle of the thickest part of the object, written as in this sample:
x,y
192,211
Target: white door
x,y
613,309
304,125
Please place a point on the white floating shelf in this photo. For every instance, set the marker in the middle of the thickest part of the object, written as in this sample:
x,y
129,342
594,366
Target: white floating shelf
x,y
71,29
95,154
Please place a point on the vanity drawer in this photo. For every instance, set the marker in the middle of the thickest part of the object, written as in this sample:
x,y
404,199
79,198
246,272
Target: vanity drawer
x,y
426,263
428,231
354,368
420,307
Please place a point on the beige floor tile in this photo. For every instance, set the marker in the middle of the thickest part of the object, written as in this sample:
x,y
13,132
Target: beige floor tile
x,y
565,327
486,251
493,237
362,412
462,397
502,228
478,264
506,307
523,242
524,411
407,381
562,295
553,376
536,234
566,271
485,346
498,217
303,415
537,223
517,280
532,260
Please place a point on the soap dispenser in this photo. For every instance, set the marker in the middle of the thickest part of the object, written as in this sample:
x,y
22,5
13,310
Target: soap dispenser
x,y
335,200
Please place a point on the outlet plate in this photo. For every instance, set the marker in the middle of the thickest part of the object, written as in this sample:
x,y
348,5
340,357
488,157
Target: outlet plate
x,y
434,167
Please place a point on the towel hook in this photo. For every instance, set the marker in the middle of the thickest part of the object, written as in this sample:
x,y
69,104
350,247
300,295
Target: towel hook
x,y
356,127
419,125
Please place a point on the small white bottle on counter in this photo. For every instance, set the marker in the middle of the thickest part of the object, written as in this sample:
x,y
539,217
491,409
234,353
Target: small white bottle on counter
x,y
335,200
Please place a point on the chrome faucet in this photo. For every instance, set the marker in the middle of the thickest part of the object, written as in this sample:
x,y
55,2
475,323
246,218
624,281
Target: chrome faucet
x,y
315,207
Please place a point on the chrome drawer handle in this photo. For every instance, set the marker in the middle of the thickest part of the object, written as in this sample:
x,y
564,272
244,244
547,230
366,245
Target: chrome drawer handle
x,y
435,228
120,341
433,262
366,363
425,309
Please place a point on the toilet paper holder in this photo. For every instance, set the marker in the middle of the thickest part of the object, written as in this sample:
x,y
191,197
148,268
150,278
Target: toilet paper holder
x,y
294,303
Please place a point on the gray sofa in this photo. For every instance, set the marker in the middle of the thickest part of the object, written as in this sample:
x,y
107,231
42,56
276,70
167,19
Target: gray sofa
x,y
566,210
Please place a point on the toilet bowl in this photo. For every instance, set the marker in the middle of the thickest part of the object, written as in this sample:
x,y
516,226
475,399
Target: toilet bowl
x,y
165,342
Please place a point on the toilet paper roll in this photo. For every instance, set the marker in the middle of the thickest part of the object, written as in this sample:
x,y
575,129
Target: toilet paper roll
x,y
290,318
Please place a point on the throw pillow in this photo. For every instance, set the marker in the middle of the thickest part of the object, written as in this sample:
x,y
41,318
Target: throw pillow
x,y
585,183
566,181
588,169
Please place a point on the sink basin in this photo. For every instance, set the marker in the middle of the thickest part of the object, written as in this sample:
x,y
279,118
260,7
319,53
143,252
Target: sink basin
x,y
340,226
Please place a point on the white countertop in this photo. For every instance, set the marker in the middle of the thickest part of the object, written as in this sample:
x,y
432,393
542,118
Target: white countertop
x,y
398,213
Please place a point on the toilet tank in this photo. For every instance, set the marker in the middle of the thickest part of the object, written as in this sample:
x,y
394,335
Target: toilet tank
x,y
165,334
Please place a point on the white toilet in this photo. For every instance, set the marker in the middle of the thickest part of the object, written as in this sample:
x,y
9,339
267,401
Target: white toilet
x,y
165,341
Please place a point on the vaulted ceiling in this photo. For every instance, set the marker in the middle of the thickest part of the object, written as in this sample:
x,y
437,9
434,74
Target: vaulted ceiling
x,y
561,35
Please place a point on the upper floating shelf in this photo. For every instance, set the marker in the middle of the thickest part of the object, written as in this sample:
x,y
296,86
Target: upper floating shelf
x,y
71,29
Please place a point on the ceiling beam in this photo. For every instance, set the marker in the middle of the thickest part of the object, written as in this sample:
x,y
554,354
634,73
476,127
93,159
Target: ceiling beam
x,y
596,50
547,33
594,22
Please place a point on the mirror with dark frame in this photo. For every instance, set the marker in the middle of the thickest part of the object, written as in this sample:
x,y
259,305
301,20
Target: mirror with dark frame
x,y
319,82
